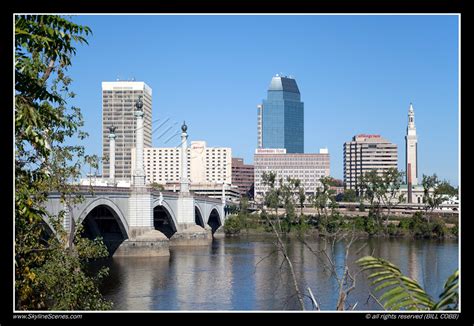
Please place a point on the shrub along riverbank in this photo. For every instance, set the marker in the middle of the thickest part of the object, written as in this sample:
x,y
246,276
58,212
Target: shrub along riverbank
x,y
415,226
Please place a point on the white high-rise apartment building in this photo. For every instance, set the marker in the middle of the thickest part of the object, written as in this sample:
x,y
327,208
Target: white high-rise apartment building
x,y
365,153
118,105
206,165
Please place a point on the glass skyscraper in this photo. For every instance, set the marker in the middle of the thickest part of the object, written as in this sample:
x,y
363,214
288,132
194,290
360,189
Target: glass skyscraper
x,y
281,117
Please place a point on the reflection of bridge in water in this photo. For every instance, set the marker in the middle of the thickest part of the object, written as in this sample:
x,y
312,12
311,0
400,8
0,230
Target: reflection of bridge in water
x,y
107,212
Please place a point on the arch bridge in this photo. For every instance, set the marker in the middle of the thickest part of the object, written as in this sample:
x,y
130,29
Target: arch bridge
x,y
126,214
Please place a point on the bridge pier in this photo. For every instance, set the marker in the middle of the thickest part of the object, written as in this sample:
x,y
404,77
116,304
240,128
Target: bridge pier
x,y
143,239
188,233
144,242
191,235
219,233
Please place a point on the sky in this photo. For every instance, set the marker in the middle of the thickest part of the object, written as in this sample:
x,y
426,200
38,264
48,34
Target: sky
x,y
356,74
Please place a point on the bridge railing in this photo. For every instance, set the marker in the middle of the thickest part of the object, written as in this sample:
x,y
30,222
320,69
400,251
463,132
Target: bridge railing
x,y
97,189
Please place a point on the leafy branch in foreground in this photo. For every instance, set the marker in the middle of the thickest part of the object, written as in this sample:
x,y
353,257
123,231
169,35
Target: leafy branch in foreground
x,y
449,298
403,293
51,263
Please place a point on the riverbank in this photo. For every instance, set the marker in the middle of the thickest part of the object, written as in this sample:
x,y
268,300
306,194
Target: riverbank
x,y
415,226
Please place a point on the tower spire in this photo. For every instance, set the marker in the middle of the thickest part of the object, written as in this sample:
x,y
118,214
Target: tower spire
x,y
411,143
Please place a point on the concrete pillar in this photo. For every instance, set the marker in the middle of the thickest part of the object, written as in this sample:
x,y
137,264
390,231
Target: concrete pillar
x,y
223,202
112,154
139,173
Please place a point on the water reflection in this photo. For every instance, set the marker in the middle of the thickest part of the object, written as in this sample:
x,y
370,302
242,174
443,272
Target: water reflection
x,y
246,273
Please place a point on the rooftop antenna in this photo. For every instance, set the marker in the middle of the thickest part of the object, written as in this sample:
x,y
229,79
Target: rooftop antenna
x,y
118,78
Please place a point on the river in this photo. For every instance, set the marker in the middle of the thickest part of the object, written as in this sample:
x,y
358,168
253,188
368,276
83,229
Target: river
x,y
242,273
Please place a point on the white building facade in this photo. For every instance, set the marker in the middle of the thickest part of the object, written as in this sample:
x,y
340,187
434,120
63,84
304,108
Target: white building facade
x,y
206,165
309,168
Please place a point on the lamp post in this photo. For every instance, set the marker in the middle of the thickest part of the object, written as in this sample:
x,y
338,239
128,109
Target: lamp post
x,y
139,174
184,186
112,153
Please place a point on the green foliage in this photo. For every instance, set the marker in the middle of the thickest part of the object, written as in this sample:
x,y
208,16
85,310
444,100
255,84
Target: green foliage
x,y
422,228
63,278
157,186
405,223
399,292
445,188
302,226
435,198
44,47
288,193
392,230
381,189
438,228
232,225
359,223
350,196
371,225
454,231
449,298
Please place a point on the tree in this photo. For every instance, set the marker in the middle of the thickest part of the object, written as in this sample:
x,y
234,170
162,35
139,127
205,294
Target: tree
x,y
156,186
273,199
272,196
403,293
301,199
350,196
243,214
323,200
287,194
432,197
382,190
445,188
44,47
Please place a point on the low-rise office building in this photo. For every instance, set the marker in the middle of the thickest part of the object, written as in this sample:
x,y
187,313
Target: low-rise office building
x,y
242,175
309,168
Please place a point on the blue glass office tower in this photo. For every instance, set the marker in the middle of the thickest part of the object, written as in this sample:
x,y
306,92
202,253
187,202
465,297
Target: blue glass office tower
x,y
281,117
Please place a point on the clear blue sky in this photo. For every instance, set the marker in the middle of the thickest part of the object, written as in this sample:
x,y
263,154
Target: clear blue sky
x,y
356,74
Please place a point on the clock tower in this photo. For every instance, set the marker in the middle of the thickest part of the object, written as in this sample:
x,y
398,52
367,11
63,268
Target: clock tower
x,y
411,149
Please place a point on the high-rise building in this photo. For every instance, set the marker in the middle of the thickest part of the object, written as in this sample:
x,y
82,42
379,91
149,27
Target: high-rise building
x,y
242,175
365,153
308,168
411,149
118,106
281,117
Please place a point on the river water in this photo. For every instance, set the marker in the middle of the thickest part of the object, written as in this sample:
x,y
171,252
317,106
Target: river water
x,y
244,273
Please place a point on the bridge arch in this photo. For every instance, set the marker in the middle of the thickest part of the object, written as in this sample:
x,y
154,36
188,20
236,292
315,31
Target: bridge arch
x,y
214,219
164,218
198,216
113,208
102,217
